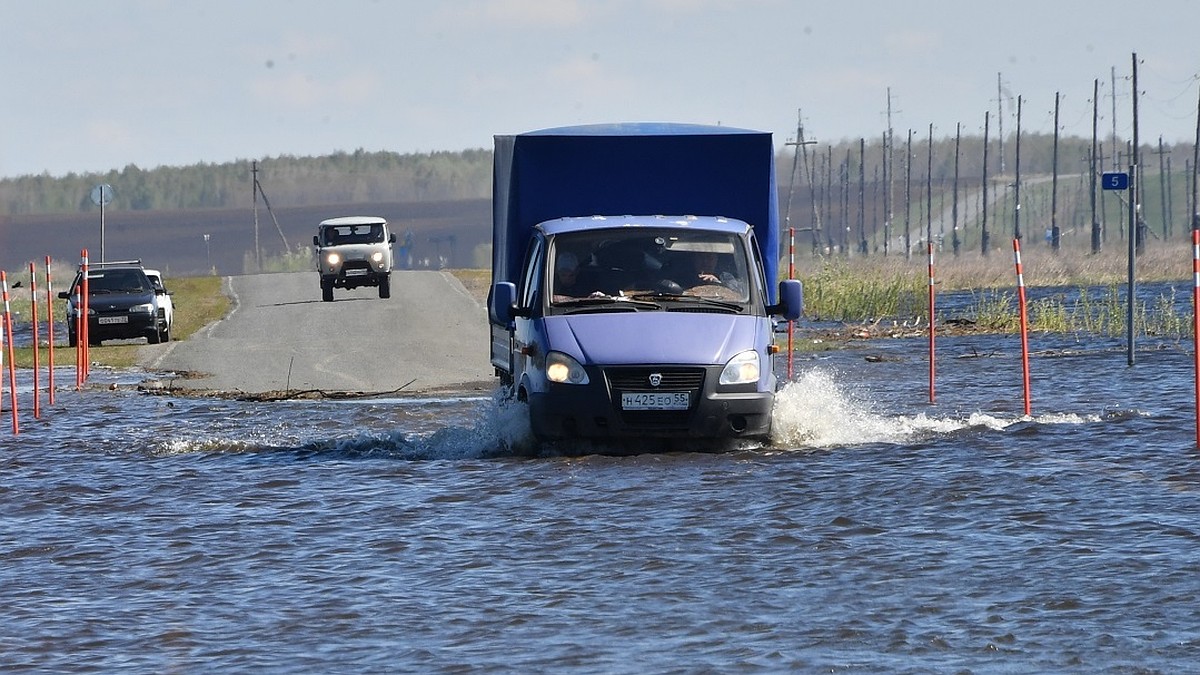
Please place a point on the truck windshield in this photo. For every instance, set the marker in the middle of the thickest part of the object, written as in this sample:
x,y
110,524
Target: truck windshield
x,y
353,234
663,263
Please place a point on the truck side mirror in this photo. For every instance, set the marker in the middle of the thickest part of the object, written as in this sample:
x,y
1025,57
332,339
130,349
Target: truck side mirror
x,y
501,302
316,242
392,238
791,300
65,295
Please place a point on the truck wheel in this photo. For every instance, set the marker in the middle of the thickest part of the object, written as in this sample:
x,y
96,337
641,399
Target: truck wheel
x,y
164,335
72,341
385,287
153,337
326,291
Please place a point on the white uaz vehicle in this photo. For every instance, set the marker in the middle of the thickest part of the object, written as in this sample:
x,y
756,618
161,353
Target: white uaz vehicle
x,y
354,251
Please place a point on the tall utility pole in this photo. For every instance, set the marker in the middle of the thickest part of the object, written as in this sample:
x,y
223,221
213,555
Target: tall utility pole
x,y
889,170
954,207
1137,226
1000,118
1017,179
862,196
1054,231
908,198
1094,166
887,193
1134,230
799,145
1113,96
787,211
984,235
929,191
1162,190
1196,170
254,186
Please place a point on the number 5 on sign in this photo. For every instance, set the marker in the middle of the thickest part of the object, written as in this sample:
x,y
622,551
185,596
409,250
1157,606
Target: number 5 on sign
x,y
1115,181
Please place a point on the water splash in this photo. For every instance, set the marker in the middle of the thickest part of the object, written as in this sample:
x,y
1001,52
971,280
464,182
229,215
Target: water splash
x,y
817,411
501,429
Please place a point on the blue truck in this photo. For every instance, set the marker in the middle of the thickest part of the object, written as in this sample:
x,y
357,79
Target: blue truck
x,y
634,271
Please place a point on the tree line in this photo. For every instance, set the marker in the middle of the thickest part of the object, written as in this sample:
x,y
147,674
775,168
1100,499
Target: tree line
x,y
342,177
361,176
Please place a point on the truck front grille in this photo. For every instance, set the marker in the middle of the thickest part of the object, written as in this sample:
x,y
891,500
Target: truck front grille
x,y
623,379
638,378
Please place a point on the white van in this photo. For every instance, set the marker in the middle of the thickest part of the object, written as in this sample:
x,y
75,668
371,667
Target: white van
x,y
354,251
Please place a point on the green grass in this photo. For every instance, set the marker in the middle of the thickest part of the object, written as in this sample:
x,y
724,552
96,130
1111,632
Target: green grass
x,y
871,290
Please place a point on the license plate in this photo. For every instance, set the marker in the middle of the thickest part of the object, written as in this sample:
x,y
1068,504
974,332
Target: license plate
x,y
113,319
655,400
356,273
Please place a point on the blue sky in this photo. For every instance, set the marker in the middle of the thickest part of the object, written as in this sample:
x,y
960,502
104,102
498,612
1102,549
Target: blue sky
x,y
90,86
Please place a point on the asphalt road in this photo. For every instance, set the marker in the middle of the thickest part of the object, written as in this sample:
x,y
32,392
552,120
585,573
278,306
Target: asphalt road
x,y
431,335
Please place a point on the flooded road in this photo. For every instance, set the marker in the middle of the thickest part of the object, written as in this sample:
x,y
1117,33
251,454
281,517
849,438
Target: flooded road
x,y
876,532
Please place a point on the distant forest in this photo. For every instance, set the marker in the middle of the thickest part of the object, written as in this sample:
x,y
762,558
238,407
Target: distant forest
x,y
340,178
361,176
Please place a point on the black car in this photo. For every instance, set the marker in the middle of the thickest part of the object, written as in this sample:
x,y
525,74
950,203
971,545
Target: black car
x,y
121,305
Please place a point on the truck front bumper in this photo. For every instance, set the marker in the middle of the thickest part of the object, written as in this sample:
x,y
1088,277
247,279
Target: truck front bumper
x,y
595,410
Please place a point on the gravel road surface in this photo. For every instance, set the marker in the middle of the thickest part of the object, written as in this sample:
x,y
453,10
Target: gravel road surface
x,y
431,335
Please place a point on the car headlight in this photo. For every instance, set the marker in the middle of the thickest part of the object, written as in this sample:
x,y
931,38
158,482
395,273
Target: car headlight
x,y
741,369
377,256
144,308
333,259
564,369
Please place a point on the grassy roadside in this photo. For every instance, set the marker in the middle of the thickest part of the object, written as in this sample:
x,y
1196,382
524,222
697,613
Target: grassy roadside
x,y
198,302
866,290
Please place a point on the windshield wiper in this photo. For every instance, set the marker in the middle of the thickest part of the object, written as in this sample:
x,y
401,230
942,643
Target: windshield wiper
x,y
609,300
675,297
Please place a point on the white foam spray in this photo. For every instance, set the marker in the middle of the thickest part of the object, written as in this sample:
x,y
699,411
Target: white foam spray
x,y
816,411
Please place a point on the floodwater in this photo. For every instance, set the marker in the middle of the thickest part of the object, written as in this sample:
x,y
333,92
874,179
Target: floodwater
x,y
876,533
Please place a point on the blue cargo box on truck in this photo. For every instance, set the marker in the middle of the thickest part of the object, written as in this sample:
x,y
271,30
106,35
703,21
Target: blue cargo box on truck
x,y
648,350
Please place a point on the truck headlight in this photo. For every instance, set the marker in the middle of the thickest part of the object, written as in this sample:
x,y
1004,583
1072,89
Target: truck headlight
x,y
145,308
741,369
333,259
377,256
564,369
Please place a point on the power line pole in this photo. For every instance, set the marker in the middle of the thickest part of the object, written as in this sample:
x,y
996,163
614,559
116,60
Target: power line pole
x,y
908,198
1162,189
954,207
1094,166
1113,96
1017,179
929,191
254,186
862,196
1054,231
1000,118
1134,230
1196,170
984,236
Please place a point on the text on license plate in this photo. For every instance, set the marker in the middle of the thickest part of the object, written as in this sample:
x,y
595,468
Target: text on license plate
x,y
113,319
655,400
